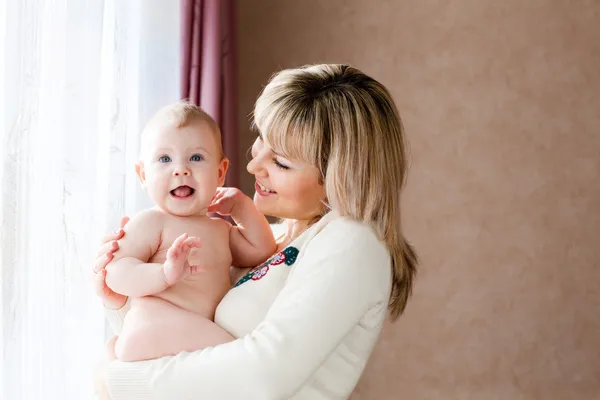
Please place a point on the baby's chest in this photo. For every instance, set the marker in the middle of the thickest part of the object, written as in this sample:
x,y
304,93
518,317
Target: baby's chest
x,y
214,244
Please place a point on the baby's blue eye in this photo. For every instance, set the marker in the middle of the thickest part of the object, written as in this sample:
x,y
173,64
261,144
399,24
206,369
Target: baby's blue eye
x,y
196,157
164,159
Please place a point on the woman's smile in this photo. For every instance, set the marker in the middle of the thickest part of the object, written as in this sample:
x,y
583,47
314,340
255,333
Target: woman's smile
x,y
263,190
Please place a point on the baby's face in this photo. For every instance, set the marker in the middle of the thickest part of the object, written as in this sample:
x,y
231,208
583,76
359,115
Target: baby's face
x,y
182,168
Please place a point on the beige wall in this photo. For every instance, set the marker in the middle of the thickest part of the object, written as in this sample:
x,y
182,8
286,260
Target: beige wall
x,y
501,103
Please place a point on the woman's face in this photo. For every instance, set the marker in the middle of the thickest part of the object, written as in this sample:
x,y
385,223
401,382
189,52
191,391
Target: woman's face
x,y
284,188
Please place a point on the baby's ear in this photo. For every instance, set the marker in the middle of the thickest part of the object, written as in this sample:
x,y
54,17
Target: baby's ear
x,y
223,170
141,173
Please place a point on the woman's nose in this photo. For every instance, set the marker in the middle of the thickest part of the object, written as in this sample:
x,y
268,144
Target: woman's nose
x,y
256,165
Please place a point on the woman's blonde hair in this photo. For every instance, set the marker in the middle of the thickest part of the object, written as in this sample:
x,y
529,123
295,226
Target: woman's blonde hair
x,y
346,123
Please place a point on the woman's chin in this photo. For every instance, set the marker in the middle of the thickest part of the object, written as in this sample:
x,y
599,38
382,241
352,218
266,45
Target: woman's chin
x,y
263,206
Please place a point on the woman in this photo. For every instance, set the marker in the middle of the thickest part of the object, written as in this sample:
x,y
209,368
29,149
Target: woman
x,y
330,161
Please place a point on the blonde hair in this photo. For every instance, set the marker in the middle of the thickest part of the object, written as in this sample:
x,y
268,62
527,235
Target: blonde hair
x,y
346,123
179,115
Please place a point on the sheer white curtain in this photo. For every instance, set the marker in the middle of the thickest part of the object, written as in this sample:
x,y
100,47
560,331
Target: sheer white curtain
x,y
78,78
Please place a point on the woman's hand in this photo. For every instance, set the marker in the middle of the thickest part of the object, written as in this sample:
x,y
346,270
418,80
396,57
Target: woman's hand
x,y
110,299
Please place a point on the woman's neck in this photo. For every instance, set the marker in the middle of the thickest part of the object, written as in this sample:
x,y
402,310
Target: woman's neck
x,y
294,228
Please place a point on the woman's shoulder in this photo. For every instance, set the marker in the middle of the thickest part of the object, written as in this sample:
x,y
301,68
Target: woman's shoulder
x,y
350,234
351,245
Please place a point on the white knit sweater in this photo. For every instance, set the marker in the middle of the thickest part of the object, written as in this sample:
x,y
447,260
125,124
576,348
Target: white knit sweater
x,y
306,322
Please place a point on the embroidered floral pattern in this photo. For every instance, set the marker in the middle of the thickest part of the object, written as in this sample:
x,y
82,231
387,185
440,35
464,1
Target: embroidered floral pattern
x,y
278,258
260,273
287,256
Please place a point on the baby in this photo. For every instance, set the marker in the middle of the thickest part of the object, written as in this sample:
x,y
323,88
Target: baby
x,y
174,260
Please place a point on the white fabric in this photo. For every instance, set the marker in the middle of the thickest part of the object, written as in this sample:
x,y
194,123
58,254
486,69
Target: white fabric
x,y
78,78
305,331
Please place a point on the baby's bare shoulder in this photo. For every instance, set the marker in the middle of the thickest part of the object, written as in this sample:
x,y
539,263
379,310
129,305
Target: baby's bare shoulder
x,y
142,235
148,220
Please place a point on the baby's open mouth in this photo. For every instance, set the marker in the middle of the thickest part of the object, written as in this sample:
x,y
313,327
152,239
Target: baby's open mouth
x,y
182,192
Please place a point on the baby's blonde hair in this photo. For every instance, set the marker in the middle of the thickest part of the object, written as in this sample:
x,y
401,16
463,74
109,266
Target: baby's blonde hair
x,y
179,115
346,124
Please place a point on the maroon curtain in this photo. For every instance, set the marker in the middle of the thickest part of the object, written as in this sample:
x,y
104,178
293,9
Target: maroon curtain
x,y
208,68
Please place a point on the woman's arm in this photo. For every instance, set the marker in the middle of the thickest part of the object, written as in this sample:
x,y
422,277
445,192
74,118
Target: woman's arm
x,y
344,272
116,318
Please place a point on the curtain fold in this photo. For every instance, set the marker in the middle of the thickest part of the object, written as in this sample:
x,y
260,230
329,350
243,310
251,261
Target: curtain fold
x,y
209,68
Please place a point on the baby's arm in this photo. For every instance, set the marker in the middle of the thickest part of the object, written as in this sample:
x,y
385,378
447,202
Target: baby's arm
x,y
129,273
251,240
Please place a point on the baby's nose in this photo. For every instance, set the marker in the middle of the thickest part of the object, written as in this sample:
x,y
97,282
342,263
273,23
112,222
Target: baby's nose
x,y
181,171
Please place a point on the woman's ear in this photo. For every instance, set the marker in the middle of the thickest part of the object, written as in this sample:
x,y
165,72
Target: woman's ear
x,y
141,173
223,170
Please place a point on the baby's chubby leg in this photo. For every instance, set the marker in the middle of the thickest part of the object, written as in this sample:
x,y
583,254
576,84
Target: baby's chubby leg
x,y
158,337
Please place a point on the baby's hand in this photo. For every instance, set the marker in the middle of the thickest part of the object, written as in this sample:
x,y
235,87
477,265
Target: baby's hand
x,y
177,267
225,200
